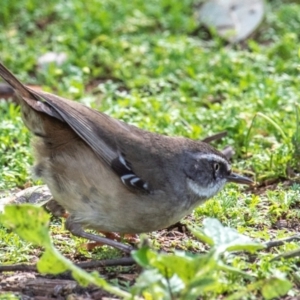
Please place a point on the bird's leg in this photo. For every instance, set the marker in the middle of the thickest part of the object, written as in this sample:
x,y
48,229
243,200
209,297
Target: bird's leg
x,y
130,238
109,235
77,230
58,211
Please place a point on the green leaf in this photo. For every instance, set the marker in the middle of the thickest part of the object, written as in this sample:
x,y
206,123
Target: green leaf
x,y
143,256
244,245
29,222
275,287
202,285
52,264
8,296
198,233
147,278
230,269
152,285
225,238
179,263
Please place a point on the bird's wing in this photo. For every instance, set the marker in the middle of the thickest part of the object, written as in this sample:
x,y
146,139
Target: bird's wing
x,y
108,137
113,141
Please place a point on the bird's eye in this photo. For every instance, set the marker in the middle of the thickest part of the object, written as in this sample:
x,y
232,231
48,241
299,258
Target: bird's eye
x,y
216,167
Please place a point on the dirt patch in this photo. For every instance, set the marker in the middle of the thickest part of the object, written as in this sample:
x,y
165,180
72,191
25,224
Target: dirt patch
x,y
34,286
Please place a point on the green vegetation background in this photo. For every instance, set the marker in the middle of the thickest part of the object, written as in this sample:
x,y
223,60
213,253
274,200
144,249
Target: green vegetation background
x,y
149,63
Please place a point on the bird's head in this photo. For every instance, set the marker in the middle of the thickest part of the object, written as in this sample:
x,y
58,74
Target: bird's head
x,y
207,172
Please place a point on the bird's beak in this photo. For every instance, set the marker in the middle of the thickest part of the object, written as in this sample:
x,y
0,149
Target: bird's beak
x,y
239,179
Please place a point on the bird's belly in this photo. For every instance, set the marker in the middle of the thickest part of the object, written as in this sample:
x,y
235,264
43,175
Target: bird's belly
x,y
134,215
96,198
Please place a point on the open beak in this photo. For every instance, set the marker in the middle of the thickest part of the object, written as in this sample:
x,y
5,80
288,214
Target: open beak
x,y
239,179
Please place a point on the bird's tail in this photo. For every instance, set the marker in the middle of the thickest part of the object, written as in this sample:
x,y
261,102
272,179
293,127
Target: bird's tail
x,y
13,81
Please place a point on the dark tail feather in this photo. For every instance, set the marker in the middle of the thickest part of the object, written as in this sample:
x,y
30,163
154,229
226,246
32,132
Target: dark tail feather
x,y
13,81
33,98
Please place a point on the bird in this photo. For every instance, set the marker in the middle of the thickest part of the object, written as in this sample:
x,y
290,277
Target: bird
x,y
111,176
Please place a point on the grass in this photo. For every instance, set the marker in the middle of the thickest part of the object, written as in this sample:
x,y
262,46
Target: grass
x,y
151,65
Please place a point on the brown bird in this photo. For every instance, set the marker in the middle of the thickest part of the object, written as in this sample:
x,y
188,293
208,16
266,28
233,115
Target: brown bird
x,y
112,176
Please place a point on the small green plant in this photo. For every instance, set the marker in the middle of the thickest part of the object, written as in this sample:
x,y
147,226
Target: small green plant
x,y
296,138
183,275
31,224
287,155
179,275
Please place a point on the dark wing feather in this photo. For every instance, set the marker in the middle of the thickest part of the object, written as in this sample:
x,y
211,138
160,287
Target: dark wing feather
x,y
123,168
85,122
97,130
27,94
43,107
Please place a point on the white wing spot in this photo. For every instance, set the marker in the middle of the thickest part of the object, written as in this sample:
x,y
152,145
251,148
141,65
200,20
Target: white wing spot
x,y
134,180
125,177
123,162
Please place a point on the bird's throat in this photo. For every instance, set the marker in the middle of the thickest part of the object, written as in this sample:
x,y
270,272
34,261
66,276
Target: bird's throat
x,y
205,192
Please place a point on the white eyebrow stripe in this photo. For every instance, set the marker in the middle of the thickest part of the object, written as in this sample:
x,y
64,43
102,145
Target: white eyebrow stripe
x,y
211,156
